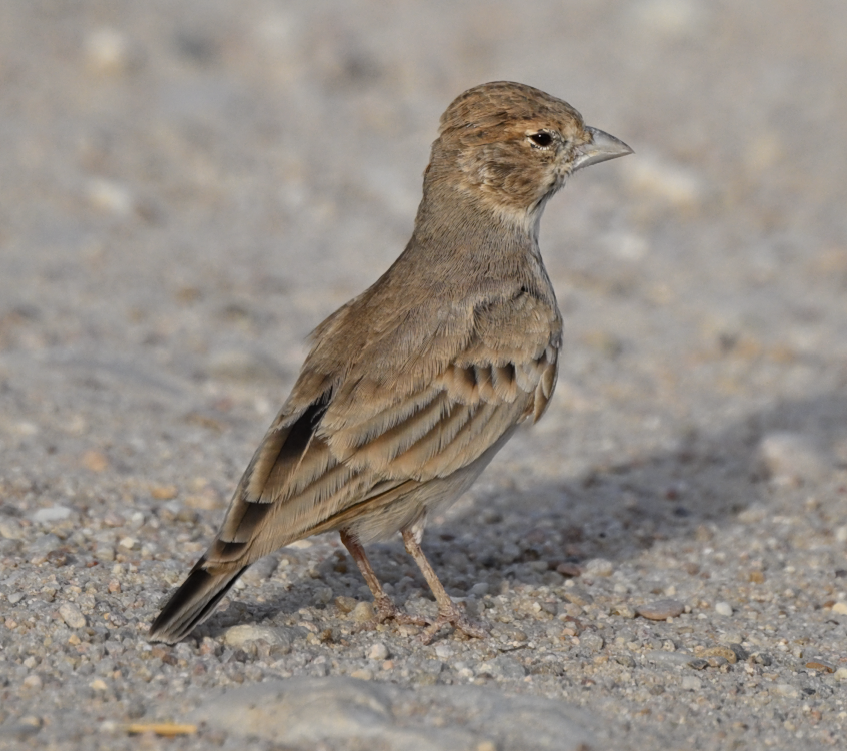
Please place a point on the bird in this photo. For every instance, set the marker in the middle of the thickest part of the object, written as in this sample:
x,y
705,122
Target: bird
x,y
412,387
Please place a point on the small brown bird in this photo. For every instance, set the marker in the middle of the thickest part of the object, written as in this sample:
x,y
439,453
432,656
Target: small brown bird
x,y
411,388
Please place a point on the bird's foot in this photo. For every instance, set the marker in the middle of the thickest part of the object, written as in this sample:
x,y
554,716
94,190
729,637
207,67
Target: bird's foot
x,y
452,616
386,610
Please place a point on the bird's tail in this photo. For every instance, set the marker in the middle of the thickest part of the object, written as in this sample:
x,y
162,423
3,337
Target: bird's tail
x,y
192,603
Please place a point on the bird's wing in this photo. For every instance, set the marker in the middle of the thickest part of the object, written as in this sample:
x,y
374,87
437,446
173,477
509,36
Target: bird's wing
x,y
399,416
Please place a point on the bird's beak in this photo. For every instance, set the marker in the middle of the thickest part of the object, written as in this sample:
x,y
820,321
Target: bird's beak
x,y
601,147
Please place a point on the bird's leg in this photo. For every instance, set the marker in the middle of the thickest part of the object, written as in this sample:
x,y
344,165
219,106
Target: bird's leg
x,y
385,607
448,612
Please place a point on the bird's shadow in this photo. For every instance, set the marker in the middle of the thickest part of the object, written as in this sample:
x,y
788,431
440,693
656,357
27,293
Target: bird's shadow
x,y
690,491
544,532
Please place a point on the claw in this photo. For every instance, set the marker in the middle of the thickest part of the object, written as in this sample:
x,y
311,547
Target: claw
x,y
386,610
452,616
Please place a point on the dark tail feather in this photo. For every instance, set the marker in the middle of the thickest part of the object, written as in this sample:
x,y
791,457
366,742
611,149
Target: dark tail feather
x,y
192,603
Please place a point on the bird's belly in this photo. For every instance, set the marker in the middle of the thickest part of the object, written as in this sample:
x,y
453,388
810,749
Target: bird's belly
x,y
425,500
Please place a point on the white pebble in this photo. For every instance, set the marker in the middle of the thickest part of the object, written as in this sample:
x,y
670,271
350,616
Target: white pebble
x,y
51,514
72,615
238,636
362,613
111,197
598,567
107,50
691,683
790,458
723,608
672,183
378,651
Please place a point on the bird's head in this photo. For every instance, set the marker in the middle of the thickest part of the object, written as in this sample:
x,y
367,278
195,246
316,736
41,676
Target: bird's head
x,y
511,147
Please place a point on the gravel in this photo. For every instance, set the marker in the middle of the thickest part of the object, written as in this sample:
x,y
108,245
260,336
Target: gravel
x,y
189,188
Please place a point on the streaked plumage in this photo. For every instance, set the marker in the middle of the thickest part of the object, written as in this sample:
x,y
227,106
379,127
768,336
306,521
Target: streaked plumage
x,y
411,387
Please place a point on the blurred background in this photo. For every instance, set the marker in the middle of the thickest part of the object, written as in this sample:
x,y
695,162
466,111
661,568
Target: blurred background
x,y
188,188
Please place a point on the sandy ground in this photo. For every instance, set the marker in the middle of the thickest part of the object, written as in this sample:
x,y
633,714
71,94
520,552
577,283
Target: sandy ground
x,y
187,189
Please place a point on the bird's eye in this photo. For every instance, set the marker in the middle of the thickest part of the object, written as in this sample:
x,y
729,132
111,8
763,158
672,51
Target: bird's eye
x,y
541,139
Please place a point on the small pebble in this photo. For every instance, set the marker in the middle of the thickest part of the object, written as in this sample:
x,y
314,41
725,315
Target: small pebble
x,y
378,651
238,636
727,653
107,51
345,604
11,529
691,683
104,553
136,709
72,615
785,689
591,641
578,596
362,613
568,569
95,461
598,567
671,659
363,674
698,664
723,608
33,681
667,181
51,514
261,570
840,608
821,665
164,492
660,610
480,589
443,651
790,458
624,611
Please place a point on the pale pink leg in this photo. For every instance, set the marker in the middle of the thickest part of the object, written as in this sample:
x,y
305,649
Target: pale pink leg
x,y
448,613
